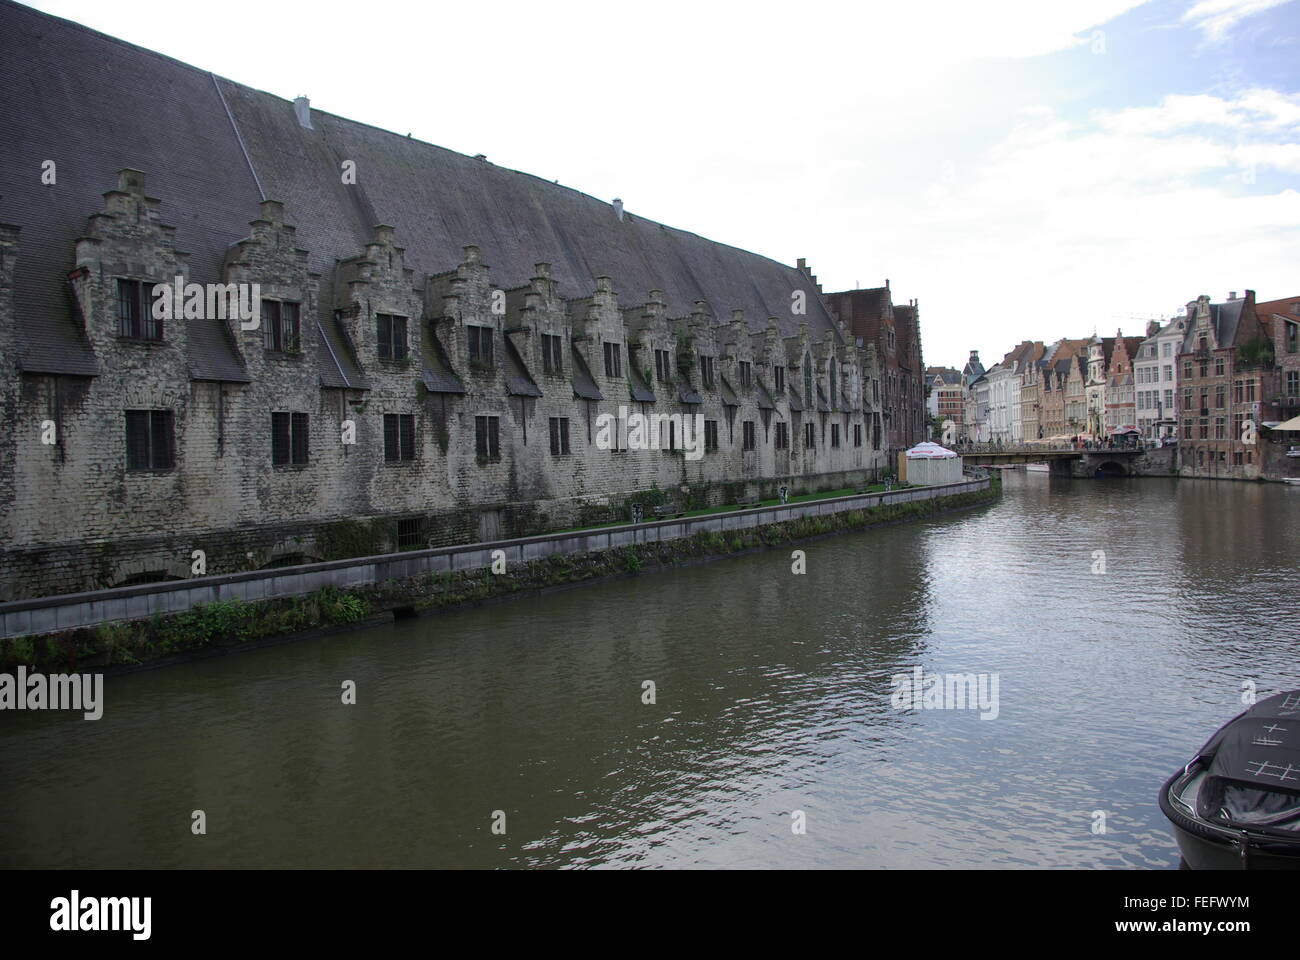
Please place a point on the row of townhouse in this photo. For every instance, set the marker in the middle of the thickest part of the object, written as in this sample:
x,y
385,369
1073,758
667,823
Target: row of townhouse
x,y
1217,381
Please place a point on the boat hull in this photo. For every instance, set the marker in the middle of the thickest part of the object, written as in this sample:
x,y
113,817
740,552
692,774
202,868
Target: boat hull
x,y
1205,846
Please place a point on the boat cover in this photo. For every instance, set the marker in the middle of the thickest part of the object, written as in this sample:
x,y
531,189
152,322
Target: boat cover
x,y
1253,779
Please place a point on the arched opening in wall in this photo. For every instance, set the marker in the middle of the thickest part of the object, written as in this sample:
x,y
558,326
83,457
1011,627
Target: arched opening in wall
x,y
289,560
146,576
1111,469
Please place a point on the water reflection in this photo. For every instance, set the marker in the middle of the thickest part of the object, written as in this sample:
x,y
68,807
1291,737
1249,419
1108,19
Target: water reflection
x,y
772,695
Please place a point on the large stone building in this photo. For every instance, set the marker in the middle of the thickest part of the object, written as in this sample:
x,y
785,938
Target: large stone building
x,y
440,345
873,319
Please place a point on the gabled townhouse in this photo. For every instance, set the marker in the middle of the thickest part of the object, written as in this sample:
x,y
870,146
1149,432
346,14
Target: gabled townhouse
x,y
1226,373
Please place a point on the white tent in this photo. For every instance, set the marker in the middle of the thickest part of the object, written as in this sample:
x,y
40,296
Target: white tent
x,y
927,464
929,451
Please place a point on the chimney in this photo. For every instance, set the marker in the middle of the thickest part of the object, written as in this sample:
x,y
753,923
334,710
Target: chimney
x,y
1153,327
618,209
1232,295
974,357
302,110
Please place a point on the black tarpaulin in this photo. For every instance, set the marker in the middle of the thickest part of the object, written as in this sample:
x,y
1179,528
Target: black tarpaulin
x,y
1254,777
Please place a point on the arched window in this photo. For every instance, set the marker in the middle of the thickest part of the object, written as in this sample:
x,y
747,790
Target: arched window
x,y
807,381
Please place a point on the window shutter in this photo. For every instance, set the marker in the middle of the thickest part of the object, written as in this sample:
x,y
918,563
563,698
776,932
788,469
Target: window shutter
x,y
137,440
279,439
300,435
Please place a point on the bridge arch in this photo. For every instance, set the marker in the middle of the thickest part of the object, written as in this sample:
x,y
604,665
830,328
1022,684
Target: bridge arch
x,y
1111,468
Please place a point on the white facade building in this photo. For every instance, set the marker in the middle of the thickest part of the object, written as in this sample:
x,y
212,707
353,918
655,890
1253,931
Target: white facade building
x,y
1155,381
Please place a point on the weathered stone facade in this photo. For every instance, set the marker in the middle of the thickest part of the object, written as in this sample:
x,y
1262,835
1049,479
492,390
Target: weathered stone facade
x,y
75,513
873,318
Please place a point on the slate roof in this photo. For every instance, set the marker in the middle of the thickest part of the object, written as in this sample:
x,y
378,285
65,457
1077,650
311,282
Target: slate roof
x,y
728,395
642,392
519,382
1230,322
97,105
584,385
437,373
100,103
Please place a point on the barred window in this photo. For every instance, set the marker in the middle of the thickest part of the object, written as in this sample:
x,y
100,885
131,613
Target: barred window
x,y
288,439
782,438
809,436
399,437
480,346
706,372
559,436
613,360
710,435
150,440
486,438
552,360
135,318
412,533
663,365
747,435
392,336
281,327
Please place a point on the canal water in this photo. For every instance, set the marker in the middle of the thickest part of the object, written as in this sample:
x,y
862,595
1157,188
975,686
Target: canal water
x,y
772,697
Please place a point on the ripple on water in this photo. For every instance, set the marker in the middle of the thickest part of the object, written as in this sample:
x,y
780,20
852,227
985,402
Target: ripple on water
x,y
772,695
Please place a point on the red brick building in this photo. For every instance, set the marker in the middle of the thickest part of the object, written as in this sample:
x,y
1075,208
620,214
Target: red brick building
x,y
1226,374
872,317
1282,320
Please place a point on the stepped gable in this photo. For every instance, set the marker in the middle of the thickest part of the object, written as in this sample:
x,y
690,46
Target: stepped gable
x,y
211,149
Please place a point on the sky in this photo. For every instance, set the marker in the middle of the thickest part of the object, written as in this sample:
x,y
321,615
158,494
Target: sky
x,y
1025,169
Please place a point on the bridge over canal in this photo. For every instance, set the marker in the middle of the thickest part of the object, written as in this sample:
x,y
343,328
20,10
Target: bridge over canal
x,y
1074,462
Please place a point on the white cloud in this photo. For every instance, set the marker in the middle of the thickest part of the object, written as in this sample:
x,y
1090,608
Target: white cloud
x,y
1062,227
1256,110
1216,18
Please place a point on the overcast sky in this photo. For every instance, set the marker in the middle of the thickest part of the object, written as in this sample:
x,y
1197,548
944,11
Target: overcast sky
x,y
1027,169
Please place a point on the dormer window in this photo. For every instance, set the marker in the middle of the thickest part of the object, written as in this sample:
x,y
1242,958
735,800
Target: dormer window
x,y
613,360
480,347
778,378
807,380
663,366
392,336
552,360
706,372
135,319
281,326
746,374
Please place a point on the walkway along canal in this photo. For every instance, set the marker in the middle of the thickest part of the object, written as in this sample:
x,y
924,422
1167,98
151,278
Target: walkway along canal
x,y
131,624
